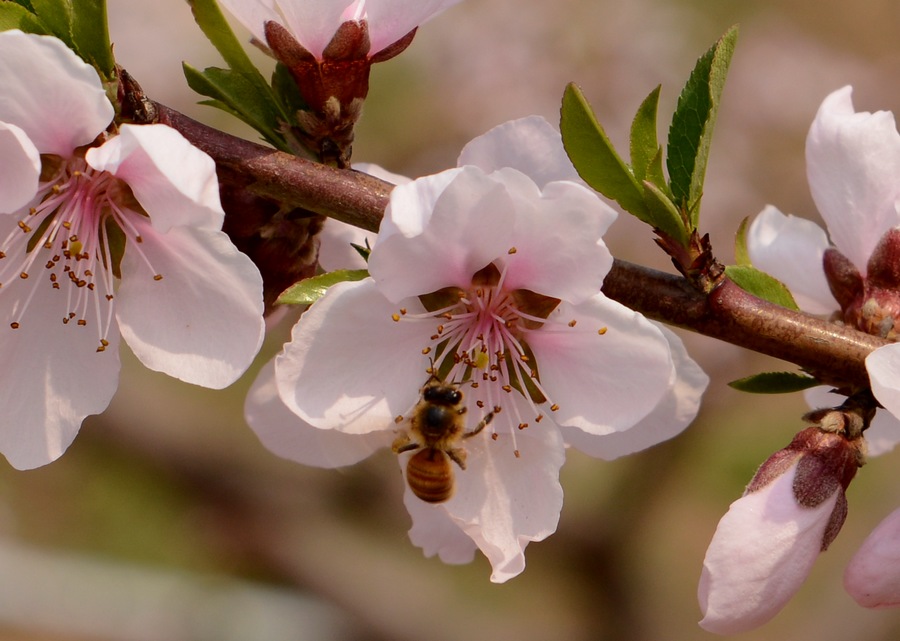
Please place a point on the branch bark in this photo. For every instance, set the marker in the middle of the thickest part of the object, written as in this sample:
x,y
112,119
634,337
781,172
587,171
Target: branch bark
x,y
833,353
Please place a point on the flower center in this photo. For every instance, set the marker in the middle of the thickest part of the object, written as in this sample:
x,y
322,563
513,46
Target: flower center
x,y
481,339
72,240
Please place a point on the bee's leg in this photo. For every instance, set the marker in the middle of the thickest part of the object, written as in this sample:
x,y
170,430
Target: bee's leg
x,y
481,425
458,456
403,444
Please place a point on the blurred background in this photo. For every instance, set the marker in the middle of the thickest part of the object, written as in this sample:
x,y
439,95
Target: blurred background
x,y
167,520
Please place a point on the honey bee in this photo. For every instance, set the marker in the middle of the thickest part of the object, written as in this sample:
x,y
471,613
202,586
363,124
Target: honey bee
x,y
436,429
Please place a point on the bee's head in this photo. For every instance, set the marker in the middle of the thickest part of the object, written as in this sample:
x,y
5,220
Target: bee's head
x,y
442,394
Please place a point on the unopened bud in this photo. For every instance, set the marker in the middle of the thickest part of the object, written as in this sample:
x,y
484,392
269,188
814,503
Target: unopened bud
x,y
793,508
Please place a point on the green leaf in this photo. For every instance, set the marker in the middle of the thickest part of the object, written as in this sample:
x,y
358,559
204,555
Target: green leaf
x,y
644,145
665,216
690,133
774,383
15,16
741,254
761,285
286,91
216,28
56,15
242,88
241,97
594,156
90,34
308,291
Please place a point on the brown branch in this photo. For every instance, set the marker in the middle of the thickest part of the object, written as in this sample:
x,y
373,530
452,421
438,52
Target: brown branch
x,y
834,353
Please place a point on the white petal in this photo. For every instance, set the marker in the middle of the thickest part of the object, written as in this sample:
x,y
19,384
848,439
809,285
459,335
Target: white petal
x,y
503,502
202,322
441,234
675,411
390,20
872,577
791,250
602,383
883,366
883,433
559,251
286,435
761,553
348,335
173,181
530,145
336,242
853,160
54,376
436,532
253,14
48,91
20,168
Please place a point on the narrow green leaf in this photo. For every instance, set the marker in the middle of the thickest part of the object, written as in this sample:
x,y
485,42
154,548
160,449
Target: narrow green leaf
x,y
663,213
594,156
240,96
216,28
644,145
690,133
15,16
761,285
90,33
741,254
774,383
309,290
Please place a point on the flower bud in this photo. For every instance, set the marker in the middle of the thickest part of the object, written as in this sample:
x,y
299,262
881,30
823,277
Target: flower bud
x,y
793,508
873,576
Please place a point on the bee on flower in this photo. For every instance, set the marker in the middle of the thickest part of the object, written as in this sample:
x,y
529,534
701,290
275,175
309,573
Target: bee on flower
x,y
487,276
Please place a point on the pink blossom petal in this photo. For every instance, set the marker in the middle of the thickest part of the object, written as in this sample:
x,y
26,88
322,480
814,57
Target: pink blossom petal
x,y
872,577
54,376
436,532
602,383
20,169
883,433
761,553
348,335
853,160
390,20
314,22
432,229
791,250
564,215
883,366
503,502
254,14
173,181
49,92
336,249
674,412
530,145
282,431
202,322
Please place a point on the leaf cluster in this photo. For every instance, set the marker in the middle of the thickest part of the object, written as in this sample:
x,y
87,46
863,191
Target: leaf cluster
x,y
241,89
671,206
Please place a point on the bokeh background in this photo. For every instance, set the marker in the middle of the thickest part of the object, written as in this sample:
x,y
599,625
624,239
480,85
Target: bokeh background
x,y
167,520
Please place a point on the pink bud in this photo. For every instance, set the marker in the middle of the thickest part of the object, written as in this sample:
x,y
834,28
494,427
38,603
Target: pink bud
x,y
873,576
766,544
